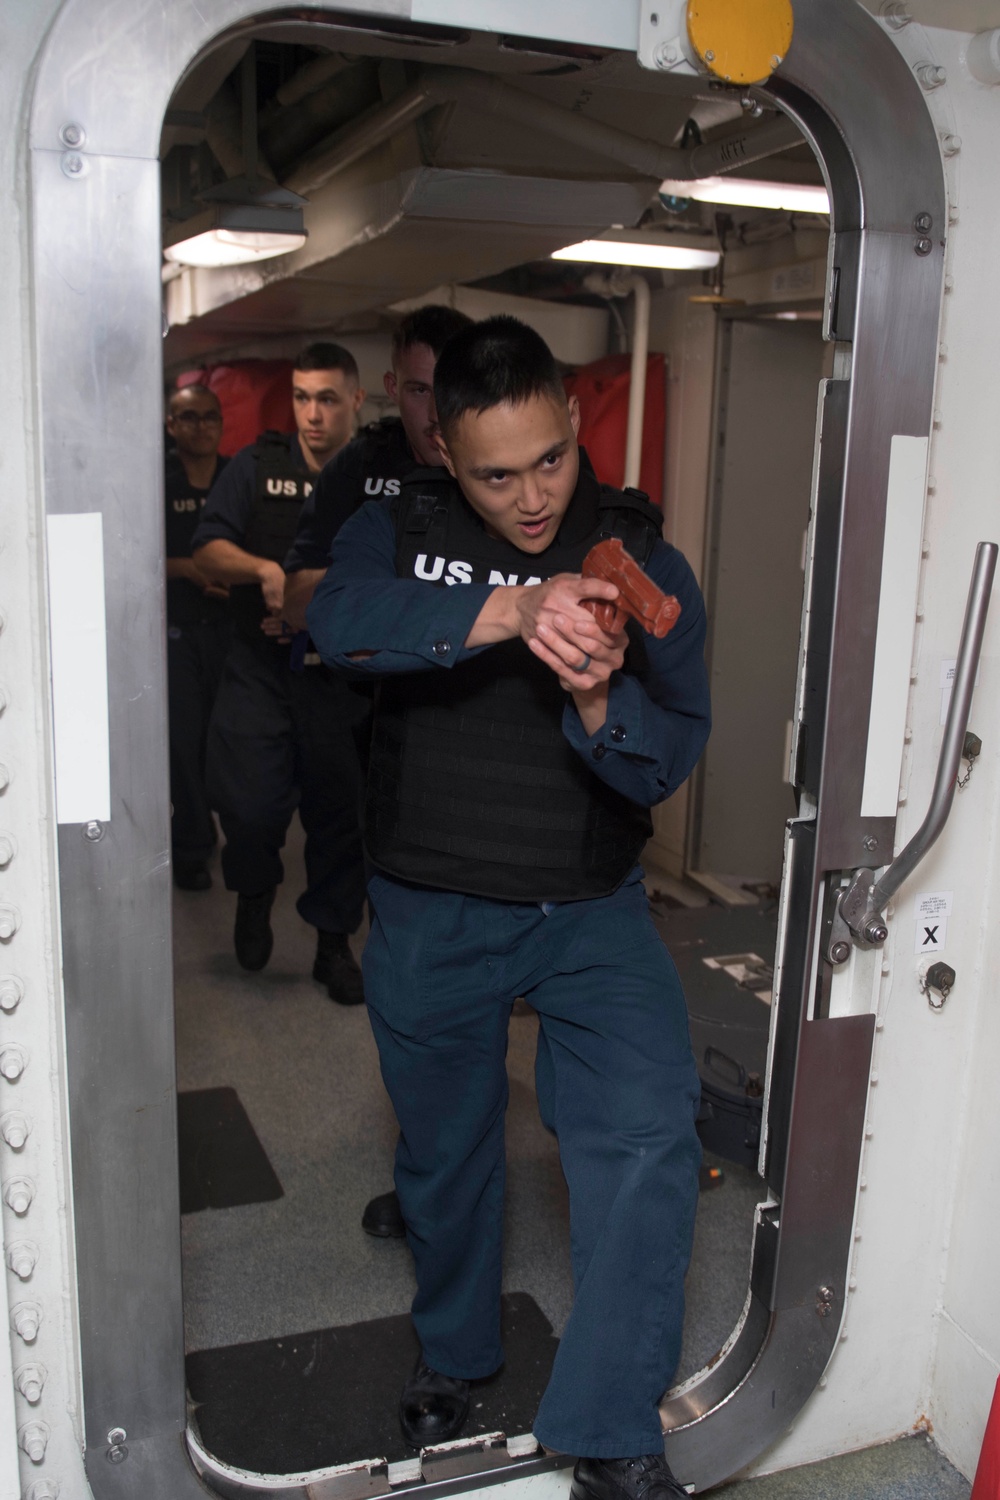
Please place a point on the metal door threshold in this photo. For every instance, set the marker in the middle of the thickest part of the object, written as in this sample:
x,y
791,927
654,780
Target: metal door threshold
x,y
449,1469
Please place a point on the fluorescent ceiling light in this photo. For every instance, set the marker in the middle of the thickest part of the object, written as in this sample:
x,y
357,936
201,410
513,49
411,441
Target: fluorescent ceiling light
x,y
745,192
232,247
639,253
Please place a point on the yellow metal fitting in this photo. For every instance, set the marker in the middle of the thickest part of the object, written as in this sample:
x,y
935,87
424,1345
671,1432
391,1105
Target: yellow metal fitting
x,y
740,41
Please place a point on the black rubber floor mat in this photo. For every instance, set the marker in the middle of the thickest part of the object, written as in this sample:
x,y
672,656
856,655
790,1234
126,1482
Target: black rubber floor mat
x,y
313,1400
222,1163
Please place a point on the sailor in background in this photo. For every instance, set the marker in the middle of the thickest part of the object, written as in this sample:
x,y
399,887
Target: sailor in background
x,y
285,731
516,751
379,458
375,464
198,631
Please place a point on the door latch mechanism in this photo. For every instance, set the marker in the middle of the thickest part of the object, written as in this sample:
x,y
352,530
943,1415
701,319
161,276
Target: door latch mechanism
x,y
857,917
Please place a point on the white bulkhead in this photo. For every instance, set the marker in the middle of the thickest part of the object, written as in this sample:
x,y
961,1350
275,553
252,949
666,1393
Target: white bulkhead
x,y
920,1342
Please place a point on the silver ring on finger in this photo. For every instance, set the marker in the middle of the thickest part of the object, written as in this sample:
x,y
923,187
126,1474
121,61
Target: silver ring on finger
x,y
583,665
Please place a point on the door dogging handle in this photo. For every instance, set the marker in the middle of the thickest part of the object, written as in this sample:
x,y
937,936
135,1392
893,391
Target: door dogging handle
x,y
858,915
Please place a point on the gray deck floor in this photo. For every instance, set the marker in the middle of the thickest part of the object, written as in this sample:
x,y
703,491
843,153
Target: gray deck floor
x,y
911,1469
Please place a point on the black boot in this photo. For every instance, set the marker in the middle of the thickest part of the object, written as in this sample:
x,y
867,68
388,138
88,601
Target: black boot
x,y
191,875
337,968
432,1407
645,1478
252,935
383,1217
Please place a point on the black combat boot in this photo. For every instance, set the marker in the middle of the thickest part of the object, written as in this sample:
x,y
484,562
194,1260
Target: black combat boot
x,y
644,1478
252,935
432,1407
383,1217
337,968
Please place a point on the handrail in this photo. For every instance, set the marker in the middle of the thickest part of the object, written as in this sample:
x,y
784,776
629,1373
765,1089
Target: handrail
x,y
861,903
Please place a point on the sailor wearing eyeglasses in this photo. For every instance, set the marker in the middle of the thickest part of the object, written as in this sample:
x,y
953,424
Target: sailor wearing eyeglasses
x,y
198,627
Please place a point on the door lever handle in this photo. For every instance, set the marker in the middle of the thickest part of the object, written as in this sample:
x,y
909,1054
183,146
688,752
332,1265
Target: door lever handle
x,y
858,914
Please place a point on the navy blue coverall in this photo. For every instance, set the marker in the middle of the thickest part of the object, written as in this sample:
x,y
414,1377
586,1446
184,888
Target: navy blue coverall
x,y
616,1078
198,639
281,739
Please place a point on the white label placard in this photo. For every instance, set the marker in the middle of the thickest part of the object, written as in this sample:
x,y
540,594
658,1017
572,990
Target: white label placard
x,y
904,511
931,934
79,667
935,904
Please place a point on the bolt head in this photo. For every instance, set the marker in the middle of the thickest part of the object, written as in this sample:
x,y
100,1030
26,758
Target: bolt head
x,y
72,134
11,992
870,843
94,832
72,164
710,55
840,952
117,1435
923,246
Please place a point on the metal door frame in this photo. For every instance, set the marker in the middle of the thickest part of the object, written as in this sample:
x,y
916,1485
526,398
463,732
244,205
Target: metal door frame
x,y
109,70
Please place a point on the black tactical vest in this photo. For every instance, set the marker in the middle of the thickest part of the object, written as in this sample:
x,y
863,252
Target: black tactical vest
x,y
473,786
282,488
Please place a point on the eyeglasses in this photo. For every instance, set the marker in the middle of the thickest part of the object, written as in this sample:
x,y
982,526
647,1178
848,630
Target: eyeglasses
x,y
194,418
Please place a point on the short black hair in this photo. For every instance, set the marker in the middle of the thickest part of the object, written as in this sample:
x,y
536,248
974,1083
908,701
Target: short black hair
x,y
193,385
328,357
498,362
432,325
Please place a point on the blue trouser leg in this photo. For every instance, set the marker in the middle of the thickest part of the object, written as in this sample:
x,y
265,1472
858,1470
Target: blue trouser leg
x,y
616,1080
619,1086
442,1038
280,740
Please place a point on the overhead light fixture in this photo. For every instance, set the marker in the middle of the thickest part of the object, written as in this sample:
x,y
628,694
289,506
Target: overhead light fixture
x,y
651,253
232,247
747,192
245,223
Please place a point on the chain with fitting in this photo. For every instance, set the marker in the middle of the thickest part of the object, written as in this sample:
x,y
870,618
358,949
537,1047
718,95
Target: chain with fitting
x,y
971,751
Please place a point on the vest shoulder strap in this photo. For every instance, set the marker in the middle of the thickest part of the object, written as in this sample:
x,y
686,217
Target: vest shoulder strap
x,y
422,502
631,516
273,450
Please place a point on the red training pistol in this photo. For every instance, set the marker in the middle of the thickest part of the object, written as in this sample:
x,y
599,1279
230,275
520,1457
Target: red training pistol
x,y
638,596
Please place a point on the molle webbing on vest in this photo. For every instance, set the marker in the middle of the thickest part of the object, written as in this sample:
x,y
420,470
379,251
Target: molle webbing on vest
x,y
473,785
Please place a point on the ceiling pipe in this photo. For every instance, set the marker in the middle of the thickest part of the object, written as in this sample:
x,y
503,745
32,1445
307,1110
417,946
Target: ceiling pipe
x,y
225,135
345,146
312,77
487,94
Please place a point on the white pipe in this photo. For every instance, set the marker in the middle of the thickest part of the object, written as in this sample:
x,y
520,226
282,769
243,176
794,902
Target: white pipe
x,y
639,287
